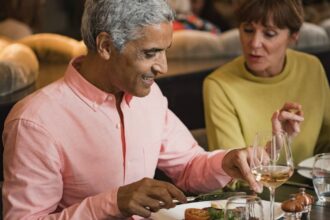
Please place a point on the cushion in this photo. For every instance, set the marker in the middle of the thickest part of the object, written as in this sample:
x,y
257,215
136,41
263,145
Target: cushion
x,y
230,42
4,42
193,44
18,68
51,47
311,36
326,26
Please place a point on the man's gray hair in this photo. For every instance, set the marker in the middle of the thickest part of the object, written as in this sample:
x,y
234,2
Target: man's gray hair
x,y
121,19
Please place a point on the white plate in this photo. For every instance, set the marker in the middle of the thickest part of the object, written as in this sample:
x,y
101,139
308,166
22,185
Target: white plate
x,y
306,163
177,213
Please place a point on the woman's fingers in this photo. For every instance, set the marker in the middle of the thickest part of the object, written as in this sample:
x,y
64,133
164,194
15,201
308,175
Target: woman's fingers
x,y
290,106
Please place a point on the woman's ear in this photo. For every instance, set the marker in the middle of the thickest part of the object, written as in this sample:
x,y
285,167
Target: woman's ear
x,y
104,45
294,37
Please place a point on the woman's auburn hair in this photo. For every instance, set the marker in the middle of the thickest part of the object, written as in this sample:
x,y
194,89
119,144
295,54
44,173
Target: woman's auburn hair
x,y
283,13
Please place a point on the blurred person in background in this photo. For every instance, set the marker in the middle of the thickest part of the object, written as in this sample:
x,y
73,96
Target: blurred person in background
x,y
218,12
239,97
185,19
20,18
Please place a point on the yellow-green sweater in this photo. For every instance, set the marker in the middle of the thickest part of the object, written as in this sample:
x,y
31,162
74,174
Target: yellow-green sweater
x,y
238,104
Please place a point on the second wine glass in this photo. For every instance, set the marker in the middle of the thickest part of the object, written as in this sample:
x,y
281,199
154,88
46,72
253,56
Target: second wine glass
x,y
272,162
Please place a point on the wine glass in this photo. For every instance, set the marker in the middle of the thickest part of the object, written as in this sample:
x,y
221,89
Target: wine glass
x,y
246,207
321,177
272,162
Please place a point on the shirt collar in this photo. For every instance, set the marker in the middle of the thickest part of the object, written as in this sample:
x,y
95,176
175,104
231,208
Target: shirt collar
x,y
86,91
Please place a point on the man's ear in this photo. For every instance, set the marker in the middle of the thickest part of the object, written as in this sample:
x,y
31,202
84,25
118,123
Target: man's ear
x,y
104,45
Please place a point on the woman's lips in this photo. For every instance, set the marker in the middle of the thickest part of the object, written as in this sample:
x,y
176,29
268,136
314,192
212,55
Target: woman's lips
x,y
255,58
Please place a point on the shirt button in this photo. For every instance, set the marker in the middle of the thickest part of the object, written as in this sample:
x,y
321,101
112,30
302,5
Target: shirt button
x,y
94,105
118,126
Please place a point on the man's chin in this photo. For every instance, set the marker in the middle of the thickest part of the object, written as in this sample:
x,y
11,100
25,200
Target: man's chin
x,y
142,93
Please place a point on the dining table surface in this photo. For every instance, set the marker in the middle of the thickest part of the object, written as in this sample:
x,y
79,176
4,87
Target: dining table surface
x,y
282,193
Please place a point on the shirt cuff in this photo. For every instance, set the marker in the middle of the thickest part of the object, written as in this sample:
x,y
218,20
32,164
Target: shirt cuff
x,y
107,204
216,164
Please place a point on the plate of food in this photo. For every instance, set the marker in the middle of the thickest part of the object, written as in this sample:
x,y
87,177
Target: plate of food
x,y
178,212
305,167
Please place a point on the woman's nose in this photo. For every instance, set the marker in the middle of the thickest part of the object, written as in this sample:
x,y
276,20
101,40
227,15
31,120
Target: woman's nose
x,y
256,41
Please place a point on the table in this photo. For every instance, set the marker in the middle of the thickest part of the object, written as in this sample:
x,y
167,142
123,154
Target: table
x,y
282,193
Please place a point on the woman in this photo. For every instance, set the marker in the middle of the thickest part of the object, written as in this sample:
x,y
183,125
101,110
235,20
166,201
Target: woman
x,y
240,96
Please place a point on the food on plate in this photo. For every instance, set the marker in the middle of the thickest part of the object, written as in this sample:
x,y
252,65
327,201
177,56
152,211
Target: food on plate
x,y
208,213
215,212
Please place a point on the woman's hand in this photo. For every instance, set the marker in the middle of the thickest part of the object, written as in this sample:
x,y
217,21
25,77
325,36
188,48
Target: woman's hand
x,y
288,119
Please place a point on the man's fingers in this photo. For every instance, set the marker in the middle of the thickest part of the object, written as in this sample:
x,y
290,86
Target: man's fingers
x,y
247,175
177,194
240,168
168,191
163,197
138,209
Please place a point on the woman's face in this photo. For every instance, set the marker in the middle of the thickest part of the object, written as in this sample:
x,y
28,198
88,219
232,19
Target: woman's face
x,y
264,47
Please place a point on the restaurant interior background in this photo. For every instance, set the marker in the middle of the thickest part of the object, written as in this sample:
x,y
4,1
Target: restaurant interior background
x,y
193,55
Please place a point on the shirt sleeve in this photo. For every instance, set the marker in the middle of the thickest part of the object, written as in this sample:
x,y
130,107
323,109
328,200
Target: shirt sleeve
x,y
33,184
222,124
190,167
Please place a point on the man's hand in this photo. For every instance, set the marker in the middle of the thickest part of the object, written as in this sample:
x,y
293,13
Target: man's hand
x,y
146,196
236,164
288,119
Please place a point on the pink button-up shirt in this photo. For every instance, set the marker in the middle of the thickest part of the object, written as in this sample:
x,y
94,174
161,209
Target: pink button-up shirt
x,y
64,156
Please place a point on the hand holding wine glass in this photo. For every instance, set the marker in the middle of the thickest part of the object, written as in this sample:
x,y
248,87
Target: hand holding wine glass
x,y
272,162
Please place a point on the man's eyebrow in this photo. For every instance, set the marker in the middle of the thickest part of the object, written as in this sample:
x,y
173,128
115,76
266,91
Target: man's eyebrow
x,y
155,49
152,50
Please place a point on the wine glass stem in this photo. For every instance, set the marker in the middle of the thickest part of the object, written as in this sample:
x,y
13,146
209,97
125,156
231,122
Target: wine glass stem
x,y
272,202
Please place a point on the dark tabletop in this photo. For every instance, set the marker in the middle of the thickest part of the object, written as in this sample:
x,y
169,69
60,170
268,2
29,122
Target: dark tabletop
x,y
318,212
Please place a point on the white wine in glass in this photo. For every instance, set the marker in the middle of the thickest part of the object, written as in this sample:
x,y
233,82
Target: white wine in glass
x,y
272,162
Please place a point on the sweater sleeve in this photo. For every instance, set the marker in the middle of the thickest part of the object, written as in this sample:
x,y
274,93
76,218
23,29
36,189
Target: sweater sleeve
x,y
323,143
222,124
33,184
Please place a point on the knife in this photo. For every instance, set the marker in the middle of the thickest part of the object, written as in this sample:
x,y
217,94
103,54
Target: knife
x,y
210,197
304,168
291,183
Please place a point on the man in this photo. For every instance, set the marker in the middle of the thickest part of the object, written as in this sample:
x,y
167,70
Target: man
x,y
87,146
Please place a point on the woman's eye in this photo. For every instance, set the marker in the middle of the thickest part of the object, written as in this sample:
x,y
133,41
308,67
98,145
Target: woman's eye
x,y
248,30
270,34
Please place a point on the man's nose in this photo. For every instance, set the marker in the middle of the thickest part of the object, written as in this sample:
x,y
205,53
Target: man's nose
x,y
160,66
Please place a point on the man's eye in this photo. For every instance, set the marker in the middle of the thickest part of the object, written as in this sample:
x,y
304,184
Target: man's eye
x,y
149,54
